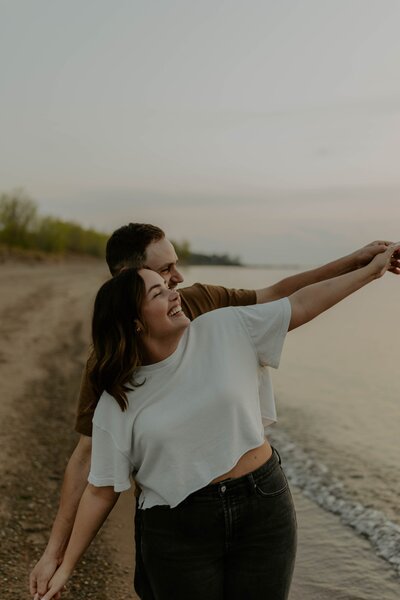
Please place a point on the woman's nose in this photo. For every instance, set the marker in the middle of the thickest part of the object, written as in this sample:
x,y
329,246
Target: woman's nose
x,y
174,295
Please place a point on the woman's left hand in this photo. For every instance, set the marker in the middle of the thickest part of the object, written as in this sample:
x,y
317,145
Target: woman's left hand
x,y
388,260
56,584
395,263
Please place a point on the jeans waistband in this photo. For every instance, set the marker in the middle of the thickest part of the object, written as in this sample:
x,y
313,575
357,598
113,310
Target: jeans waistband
x,y
243,483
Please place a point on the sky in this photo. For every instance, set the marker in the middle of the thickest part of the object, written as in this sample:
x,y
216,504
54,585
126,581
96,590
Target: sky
x,y
265,129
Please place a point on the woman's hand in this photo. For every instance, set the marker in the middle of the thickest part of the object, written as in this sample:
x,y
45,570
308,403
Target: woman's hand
x,y
56,585
41,575
395,264
312,300
389,260
364,255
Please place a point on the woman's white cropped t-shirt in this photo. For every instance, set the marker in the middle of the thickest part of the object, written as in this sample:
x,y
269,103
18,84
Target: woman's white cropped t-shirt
x,y
198,411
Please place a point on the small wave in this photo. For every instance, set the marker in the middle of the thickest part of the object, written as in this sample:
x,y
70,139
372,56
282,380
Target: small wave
x,y
317,483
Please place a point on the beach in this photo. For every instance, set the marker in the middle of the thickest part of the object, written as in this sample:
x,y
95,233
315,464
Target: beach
x,y
340,453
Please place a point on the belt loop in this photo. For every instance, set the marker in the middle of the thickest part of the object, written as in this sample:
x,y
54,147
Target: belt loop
x,y
251,481
277,453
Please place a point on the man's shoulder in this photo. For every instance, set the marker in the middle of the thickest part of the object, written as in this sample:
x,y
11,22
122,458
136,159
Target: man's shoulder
x,y
200,298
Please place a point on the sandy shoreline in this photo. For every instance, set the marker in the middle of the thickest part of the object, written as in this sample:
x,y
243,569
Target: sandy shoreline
x,y
44,319
44,314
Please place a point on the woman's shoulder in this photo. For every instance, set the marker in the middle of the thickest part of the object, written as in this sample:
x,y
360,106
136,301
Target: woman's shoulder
x,y
107,407
218,315
217,324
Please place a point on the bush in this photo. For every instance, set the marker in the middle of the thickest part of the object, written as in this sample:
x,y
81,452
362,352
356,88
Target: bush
x,y
17,219
21,227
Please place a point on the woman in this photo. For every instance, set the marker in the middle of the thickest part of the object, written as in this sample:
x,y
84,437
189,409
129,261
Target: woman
x,y
184,410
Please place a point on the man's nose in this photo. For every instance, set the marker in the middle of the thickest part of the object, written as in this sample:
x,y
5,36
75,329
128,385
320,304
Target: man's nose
x,y
176,276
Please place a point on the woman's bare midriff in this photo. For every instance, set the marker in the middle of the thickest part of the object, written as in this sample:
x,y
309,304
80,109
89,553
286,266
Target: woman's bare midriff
x,y
250,461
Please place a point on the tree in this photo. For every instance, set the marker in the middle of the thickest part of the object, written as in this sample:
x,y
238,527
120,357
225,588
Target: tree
x,y
17,218
182,249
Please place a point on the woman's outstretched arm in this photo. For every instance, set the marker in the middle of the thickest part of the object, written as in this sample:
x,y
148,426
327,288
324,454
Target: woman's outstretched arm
x,y
312,300
94,508
356,260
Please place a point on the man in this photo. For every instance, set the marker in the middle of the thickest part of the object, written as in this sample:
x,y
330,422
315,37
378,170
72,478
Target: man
x,y
146,245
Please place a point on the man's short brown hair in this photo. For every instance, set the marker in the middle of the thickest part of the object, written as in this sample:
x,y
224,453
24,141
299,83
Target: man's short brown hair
x,y
127,245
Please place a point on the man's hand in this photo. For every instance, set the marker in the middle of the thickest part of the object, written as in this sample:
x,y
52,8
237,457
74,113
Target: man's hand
x,y
310,301
395,263
388,260
56,585
41,574
364,255
351,262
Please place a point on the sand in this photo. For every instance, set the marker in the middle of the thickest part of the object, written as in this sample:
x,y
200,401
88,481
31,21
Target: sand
x,y
44,332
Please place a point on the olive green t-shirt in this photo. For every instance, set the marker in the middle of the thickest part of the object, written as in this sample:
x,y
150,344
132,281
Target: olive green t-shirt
x,y
196,300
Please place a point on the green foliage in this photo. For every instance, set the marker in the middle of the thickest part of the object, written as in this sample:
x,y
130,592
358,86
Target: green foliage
x,y
214,259
17,219
194,258
182,249
21,227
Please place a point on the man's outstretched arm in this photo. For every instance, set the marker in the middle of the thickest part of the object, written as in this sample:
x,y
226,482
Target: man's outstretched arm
x,y
356,260
74,484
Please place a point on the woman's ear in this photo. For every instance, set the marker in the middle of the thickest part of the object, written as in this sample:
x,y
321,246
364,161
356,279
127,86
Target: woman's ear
x,y
138,326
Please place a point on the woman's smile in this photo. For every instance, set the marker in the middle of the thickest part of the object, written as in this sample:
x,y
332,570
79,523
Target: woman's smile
x,y
164,320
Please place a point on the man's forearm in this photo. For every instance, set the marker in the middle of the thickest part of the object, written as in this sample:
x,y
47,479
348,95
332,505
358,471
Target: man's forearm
x,y
292,284
311,301
335,268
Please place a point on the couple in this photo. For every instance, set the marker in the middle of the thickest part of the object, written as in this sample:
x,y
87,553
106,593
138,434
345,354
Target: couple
x,y
183,406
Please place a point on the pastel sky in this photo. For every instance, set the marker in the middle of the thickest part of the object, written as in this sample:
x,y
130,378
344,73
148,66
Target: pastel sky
x,y
261,128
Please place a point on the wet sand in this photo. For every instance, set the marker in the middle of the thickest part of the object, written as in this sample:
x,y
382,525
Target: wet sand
x,y
44,331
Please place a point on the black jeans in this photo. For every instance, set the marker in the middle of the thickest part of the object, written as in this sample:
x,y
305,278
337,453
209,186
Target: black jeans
x,y
231,540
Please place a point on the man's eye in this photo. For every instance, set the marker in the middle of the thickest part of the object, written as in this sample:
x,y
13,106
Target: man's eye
x,y
164,270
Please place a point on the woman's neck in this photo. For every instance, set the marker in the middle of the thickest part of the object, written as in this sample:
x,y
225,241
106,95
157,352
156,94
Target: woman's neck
x,y
154,351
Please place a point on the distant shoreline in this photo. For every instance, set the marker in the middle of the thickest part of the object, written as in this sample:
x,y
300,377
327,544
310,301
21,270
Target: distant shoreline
x,y
22,256
272,267
280,267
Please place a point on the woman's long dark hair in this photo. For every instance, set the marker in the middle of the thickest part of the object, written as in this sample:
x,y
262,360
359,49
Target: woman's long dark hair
x,y
116,343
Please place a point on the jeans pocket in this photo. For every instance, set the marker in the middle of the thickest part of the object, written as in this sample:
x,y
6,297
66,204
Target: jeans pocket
x,y
274,484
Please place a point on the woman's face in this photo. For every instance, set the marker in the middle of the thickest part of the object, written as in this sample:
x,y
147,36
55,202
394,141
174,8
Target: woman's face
x,y
161,309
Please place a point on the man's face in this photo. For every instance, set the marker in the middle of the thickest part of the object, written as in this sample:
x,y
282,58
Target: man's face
x,y
161,257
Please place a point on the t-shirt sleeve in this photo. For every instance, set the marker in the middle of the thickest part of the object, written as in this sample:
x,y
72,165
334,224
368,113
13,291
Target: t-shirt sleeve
x,y
267,325
199,298
109,465
87,400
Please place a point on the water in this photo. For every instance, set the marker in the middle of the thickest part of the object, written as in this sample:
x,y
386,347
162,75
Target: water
x,y
338,401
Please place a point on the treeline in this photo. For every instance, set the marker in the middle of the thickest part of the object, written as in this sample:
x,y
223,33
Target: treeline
x,y
22,227
213,259
186,256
